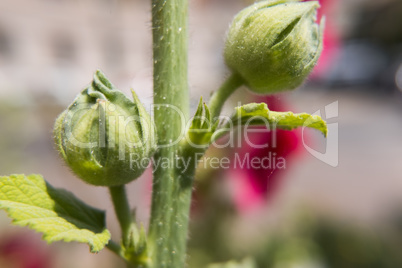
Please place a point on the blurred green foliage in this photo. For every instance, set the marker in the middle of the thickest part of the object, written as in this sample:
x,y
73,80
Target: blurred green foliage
x,y
308,240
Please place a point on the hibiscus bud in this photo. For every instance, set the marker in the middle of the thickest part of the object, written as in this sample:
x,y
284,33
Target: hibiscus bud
x,y
274,45
104,137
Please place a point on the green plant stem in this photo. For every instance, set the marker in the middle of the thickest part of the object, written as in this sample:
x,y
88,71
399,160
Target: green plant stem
x,y
220,96
171,194
115,248
122,210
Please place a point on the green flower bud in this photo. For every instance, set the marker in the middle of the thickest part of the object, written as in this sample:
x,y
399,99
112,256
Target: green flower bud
x,y
104,137
274,45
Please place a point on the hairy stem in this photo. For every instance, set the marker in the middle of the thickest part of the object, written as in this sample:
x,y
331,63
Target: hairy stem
x,y
220,96
171,194
122,210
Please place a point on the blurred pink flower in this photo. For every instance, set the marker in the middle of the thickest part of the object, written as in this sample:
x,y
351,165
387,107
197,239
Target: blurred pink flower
x,y
251,186
23,250
332,41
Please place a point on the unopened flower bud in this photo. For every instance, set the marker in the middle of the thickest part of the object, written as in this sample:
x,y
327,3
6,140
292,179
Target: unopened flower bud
x,y
274,45
104,137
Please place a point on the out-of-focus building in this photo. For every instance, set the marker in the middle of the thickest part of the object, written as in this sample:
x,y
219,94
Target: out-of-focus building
x,y
54,46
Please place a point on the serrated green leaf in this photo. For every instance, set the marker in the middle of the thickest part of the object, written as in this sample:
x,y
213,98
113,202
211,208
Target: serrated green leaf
x,y
58,214
259,114
246,263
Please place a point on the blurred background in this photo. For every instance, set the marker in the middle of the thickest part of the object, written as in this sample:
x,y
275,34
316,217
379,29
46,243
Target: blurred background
x,y
310,214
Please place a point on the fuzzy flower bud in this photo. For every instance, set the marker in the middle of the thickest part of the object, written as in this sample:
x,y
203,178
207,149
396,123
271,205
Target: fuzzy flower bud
x,y
274,45
104,137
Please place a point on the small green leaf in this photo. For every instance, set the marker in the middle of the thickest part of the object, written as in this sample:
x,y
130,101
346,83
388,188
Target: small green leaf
x,y
136,252
58,214
202,127
246,263
259,114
